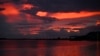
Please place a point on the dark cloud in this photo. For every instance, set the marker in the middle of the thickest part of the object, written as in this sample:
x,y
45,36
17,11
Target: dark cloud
x,y
66,5
4,26
92,28
12,1
48,20
85,20
52,34
32,11
89,29
60,5
5,1
1,9
19,1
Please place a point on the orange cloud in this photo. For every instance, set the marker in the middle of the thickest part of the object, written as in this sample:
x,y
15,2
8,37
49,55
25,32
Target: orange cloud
x,y
10,9
75,28
40,13
15,18
27,6
66,15
68,28
25,23
73,15
98,22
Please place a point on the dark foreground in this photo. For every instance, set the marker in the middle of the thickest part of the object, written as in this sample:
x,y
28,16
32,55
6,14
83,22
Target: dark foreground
x,y
48,48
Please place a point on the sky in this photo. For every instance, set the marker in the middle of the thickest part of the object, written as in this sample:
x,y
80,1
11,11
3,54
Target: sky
x,y
75,17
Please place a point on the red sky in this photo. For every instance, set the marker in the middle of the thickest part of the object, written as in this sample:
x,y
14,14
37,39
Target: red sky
x,y
13,14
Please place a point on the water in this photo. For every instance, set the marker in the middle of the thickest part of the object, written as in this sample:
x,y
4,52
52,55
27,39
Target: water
x,y
48,48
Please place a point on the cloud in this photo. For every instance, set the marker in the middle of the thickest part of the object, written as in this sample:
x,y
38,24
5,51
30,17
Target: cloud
x,y
13,1
24,23
73,15
75,23
33,24
42,14
1,9
32,16
27,6
28,24
68,15
98,22
10,9
66,5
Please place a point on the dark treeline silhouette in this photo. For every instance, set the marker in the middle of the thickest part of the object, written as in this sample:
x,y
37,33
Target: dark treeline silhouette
x,y
92,36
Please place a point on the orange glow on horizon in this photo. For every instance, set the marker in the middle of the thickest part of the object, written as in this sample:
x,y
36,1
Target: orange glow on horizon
x,y
67,28
67,15
74,28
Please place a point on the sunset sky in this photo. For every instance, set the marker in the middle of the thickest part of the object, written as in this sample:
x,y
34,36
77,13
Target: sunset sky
x,y
35,16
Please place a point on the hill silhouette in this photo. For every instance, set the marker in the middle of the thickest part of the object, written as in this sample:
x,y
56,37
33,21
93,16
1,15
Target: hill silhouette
x,y
92,36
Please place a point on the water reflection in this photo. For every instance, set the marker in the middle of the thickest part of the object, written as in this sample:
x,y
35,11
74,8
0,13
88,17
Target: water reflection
x,y
48,48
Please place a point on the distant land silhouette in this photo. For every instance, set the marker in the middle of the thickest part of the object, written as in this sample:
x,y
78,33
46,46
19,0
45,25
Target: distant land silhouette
x,y
92,36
